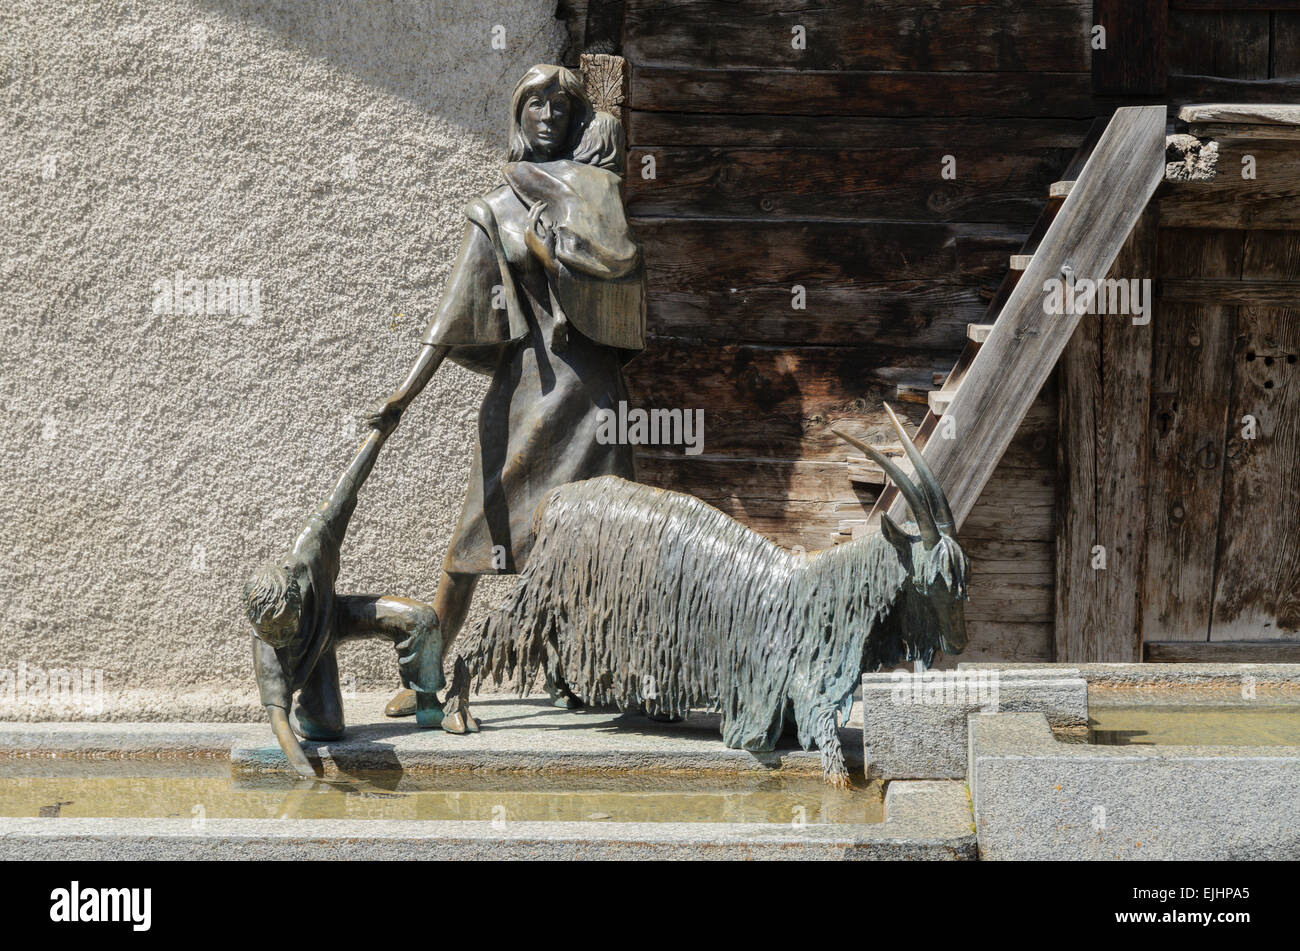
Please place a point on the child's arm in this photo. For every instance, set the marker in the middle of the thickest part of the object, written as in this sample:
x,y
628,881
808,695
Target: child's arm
x,y
289,743
273,690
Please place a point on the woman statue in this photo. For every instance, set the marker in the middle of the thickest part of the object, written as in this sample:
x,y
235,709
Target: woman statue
x,y
547,296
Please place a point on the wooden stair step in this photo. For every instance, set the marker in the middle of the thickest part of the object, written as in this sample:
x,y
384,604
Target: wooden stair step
x,y
868,473
1088,232
978,333
940,400
1057,193
910,393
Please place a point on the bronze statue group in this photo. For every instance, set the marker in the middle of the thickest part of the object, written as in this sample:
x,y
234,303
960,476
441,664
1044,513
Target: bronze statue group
x,y
642,598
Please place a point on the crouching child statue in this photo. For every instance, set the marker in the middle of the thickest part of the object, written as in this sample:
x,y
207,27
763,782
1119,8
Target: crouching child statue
x,y
299,620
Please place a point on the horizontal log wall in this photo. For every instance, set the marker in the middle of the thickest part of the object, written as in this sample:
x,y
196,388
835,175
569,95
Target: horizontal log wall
x,y
820,167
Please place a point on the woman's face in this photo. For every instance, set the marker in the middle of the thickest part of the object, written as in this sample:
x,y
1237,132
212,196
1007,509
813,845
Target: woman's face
x,y
545,121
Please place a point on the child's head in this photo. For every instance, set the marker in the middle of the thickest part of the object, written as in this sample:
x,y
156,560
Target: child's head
x,y
274,602
603,144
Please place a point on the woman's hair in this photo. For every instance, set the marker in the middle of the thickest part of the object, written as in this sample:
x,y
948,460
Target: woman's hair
x,y
537,80
603,144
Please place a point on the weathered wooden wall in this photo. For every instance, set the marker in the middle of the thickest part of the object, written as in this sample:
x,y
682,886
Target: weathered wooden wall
x,y
1200,513
777,167
1224,522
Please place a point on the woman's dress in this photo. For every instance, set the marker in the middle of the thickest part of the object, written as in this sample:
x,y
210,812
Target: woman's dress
x,y
538,422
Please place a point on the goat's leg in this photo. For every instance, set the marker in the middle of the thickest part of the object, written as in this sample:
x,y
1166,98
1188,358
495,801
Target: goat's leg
x,y
827,737
561,695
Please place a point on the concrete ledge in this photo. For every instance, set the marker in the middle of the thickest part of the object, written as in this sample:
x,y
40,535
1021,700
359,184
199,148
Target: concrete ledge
x,y
524,734
914,725
119,740
922,821
1165,675
1035,798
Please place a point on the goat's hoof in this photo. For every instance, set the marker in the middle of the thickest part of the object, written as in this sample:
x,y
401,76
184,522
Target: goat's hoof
x,y
839,780
455,723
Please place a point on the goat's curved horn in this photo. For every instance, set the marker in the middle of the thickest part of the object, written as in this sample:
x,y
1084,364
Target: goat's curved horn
x,y
925,477
915,499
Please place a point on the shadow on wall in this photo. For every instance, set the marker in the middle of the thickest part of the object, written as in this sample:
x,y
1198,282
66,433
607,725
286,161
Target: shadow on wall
x,y
318,155
409,48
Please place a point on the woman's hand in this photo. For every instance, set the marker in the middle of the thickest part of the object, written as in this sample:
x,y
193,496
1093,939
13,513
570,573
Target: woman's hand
x,y
385,414
540,237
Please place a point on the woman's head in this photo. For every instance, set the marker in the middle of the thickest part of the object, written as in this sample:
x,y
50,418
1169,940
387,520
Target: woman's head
x,y
548,113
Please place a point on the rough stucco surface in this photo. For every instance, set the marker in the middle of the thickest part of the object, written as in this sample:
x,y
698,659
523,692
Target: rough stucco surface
x,y
149,461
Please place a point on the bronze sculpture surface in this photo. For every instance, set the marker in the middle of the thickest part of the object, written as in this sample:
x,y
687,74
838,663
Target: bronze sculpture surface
x,y
627,595
547,296
299,620
655,601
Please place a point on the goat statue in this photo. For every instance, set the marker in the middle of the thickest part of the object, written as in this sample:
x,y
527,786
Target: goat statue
x,y
649,599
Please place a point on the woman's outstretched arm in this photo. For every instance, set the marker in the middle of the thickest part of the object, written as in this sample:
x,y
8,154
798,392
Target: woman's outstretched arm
x,y
385,414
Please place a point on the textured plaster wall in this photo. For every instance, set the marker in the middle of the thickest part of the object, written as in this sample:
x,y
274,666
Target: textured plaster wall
x,y
150,460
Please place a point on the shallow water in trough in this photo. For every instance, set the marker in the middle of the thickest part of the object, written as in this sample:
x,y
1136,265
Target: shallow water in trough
x,y
190,791
1208,720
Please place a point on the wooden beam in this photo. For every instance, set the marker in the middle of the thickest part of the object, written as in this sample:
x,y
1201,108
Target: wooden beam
x,y
839,93
1105,384
993,184
1266,121
1257,564
1135,61
1191,383
1286,43
877,283
1088,233
1269,201
1232,44
1218,89
1236,293
605,77
1239,113
730,130
1225,652
604,26
955,35
1234,4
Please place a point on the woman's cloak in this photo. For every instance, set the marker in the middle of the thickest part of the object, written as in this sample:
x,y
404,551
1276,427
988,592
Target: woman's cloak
x,y
539,420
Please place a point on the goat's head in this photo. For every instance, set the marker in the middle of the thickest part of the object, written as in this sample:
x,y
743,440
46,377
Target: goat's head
x,y
930,602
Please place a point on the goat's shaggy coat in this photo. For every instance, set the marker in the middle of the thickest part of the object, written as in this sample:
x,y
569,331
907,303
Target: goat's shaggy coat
x,y
649,599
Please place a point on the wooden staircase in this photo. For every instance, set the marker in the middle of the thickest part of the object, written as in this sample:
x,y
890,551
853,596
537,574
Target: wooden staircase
x,y
1007,359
